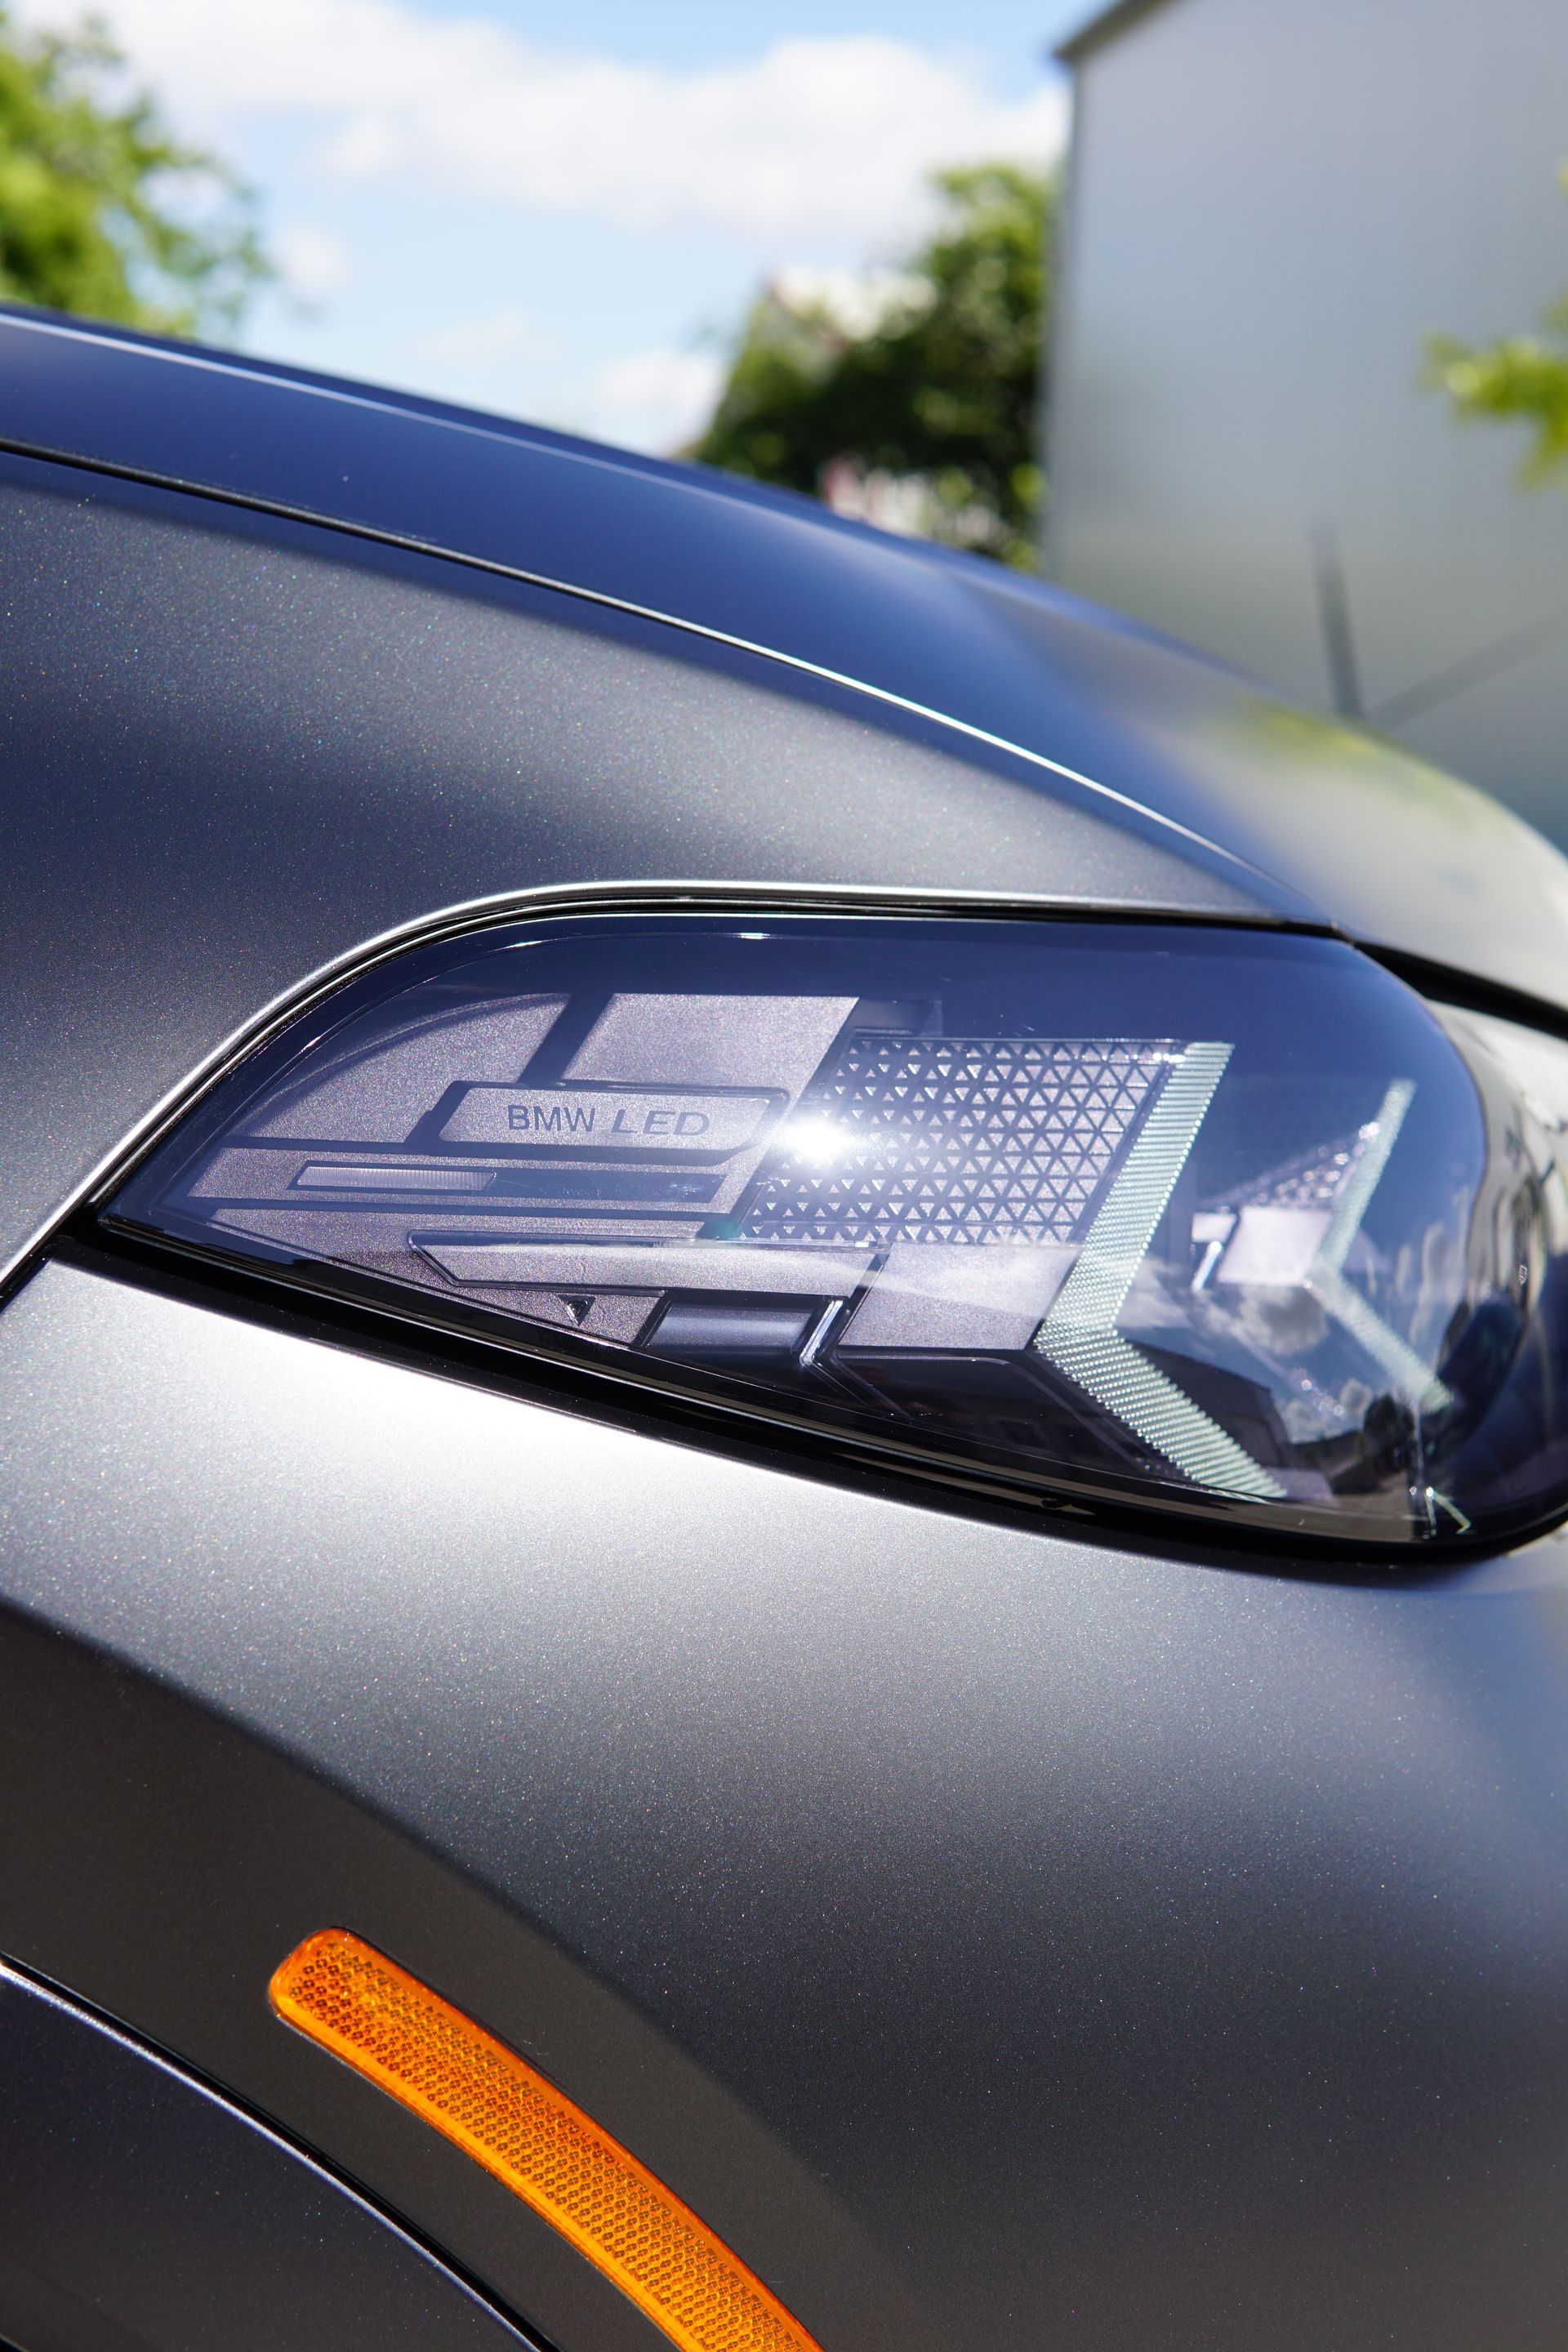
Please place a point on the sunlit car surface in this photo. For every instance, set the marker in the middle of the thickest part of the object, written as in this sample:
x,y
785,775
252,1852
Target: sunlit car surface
x,y
784,1371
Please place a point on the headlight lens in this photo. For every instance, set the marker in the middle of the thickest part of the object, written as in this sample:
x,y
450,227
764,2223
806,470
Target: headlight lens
x,y
1222,1221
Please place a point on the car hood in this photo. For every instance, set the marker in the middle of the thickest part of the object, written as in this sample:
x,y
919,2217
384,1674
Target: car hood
x,y
1347,826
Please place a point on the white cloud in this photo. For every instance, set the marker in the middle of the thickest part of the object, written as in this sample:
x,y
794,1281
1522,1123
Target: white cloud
x,y
312,261
657,401
813,139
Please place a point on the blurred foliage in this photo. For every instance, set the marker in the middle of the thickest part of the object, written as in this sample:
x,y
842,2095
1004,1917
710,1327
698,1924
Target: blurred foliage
x,y
102,210
934,393
1524,379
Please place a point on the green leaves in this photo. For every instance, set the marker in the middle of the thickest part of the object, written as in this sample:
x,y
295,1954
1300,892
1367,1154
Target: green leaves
x,y
936,394
102,211
1522,379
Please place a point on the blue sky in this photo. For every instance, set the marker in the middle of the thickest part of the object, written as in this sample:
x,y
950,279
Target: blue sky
x,y
560,213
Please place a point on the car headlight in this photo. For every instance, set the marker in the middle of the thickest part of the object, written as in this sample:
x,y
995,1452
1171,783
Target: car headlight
x,y
1220,1222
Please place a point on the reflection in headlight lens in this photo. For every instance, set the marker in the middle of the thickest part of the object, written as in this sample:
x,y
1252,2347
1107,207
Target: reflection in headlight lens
x,y
1216,1221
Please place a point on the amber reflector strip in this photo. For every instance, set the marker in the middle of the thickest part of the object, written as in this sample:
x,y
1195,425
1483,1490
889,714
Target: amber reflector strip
x,y
385,2024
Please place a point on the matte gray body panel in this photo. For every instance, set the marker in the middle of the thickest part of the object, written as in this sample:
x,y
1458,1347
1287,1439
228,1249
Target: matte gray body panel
x,y
1389,849
1000,1940
1133,1953
234,751
141,2212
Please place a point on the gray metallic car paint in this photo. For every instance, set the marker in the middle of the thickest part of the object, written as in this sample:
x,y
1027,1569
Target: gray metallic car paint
x,y
110,2158
1405,856
1000,1939
1078,1949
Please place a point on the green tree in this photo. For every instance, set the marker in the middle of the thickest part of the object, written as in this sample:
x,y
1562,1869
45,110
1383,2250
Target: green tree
x,y
935,387
1522,379
102,210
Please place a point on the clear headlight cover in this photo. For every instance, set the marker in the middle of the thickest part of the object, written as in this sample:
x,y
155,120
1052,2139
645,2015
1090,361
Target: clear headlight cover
x,y
1218,1222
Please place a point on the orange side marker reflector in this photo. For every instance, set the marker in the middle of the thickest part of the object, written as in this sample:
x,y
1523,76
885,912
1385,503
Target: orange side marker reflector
x,y
365,2009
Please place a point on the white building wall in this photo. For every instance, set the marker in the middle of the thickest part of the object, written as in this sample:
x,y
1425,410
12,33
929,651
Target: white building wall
x,y
1272,205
